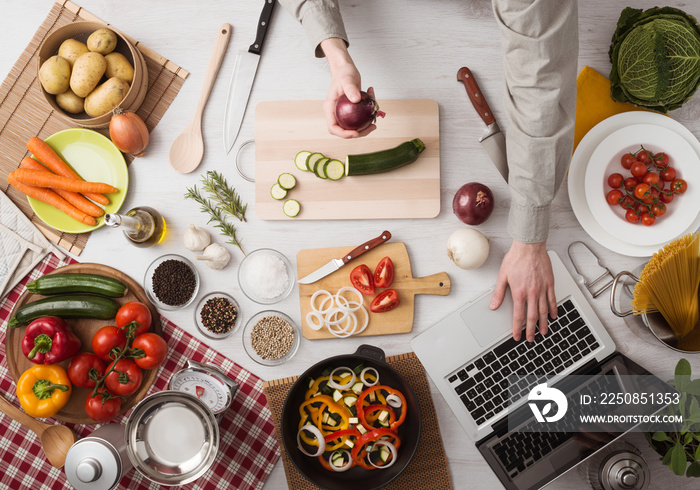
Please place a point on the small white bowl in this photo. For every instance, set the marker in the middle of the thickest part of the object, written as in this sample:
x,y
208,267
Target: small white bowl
x,y
148,282
245,281
248,341
198,316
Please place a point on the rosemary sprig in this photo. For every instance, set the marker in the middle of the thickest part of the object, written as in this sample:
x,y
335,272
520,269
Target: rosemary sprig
x,y
226,197
216,216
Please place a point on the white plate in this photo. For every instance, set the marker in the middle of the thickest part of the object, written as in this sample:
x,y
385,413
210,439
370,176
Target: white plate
x,y
577,172
605,160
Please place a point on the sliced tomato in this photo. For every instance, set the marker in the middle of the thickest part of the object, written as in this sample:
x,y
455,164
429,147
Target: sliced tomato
x,y
385,301
384,273
361,279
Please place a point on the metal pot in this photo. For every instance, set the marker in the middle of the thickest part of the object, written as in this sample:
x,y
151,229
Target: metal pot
x,y
654,322
409,432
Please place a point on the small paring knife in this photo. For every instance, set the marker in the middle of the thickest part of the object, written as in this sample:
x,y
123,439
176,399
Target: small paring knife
x,y
336,264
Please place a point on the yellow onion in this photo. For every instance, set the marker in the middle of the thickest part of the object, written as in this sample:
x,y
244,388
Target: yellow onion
x,y
128,132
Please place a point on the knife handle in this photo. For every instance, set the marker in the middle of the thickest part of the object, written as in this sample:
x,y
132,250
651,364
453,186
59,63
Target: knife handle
x,y
369,245
478,101
263,24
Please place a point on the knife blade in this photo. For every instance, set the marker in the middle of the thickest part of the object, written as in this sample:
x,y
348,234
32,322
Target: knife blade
x,y
242,79
335,264
493,141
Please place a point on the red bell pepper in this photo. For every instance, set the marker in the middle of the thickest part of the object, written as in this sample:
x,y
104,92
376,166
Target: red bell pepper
x,y
49,340
359,452
362,410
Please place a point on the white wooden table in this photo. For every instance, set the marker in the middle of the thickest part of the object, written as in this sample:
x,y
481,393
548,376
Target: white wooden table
x,y
405,50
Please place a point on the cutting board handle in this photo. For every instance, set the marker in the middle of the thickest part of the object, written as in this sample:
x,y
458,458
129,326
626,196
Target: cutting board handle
x,y
438,284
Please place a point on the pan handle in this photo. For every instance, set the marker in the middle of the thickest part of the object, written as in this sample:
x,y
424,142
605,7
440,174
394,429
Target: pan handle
x,y
372,352
616,281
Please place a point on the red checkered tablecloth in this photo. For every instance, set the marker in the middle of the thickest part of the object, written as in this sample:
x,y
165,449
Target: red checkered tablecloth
x,y
248,447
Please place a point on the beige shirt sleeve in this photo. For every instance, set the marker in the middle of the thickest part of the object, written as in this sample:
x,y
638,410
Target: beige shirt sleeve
x,y
321,20
540,46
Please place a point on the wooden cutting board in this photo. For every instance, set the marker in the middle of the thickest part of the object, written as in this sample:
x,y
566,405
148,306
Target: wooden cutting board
x,y
84,329
398,320
284,128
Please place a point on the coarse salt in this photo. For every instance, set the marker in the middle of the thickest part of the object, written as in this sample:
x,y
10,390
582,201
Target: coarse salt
x,y
266,275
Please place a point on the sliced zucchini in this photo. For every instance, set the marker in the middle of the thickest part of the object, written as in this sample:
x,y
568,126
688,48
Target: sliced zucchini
x,y
277,192
384,453
337,395
361,429
325,417
350,401
357,387
291,207
383,417
312,160
354,420
384,160
320,169
287,181
349,443
335,170
330,422
311,381
300,160
373,396
359,368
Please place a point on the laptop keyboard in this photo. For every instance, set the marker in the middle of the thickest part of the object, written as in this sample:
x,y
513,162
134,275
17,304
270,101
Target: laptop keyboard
x,y
482,385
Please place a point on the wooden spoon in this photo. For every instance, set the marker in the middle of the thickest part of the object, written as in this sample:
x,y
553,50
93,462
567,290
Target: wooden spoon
x,y
56,440
187,150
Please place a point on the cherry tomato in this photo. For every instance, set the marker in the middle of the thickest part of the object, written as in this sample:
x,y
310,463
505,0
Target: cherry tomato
x,y
666,196
385,301
105,340
154,348
638,169
85,369
614,197
658,209
102,407
628,202
661,159
679,186
668,174
630,183
384,273
654,196
362,280
627,160
648,219
642,191
643,156
125,379
651,178
660,185
134,311
615,180
632,216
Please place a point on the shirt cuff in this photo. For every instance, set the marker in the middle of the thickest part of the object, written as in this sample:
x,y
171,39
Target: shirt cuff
x,y
321,23
528,224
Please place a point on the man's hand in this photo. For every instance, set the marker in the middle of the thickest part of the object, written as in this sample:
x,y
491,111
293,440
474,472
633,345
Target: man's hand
x,y
345,79
526,268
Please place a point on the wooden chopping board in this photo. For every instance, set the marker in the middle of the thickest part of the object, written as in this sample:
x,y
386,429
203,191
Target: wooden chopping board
x,y
284,128
398,320
84,329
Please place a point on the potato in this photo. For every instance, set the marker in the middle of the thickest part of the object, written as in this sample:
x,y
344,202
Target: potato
x,y
118,66
87,72
106,97
54,75
70,102
71,49
102,41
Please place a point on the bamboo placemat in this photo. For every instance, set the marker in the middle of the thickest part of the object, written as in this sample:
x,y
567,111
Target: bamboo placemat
x,y
25,113
428,469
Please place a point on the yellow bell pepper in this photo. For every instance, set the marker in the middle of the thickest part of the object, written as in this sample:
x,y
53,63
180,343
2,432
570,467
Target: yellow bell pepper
x,y
43,390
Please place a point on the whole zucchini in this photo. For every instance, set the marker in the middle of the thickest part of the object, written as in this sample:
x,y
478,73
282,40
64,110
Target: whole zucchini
x,y
384,160
68,306
63,283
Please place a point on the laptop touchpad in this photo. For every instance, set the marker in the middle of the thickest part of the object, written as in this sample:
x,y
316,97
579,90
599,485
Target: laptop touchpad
x,y
487,325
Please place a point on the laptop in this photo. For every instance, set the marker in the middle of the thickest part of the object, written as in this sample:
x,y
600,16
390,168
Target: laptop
x,y
471,355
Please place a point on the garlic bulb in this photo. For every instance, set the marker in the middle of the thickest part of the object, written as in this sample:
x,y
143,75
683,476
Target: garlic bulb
x,y
215,256
196,238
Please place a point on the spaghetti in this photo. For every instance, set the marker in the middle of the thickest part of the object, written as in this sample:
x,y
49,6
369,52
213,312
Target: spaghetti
x,y
669,285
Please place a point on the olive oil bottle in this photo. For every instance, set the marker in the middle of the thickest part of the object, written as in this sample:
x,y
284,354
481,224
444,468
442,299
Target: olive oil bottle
x,y
143,226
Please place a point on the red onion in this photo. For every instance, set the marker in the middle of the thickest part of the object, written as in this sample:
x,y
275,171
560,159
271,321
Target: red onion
x,y
357,116
473,203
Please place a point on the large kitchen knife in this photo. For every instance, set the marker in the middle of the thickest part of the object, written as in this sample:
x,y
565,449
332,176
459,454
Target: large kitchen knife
x,y
493,141
242,79
336,264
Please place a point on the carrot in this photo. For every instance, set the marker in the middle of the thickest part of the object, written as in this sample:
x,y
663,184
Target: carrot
x,y
45,179
52,199
55,163
77,200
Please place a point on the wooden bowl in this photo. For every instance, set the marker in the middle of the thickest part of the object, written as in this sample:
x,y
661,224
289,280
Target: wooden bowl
x,y
80,31
84,328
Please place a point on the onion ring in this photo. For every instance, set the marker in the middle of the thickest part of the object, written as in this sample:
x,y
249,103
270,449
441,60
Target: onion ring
x,y
313,300
332,313
318,316
376,376
357,304
393,401
338,386
345,331
364,325
346,466
319,437
391,447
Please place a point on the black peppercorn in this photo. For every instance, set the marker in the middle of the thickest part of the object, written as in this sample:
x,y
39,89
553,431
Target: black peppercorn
x,y
174,282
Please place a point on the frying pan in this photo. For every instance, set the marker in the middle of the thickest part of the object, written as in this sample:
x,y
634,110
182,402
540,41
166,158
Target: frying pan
x,y
409,432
